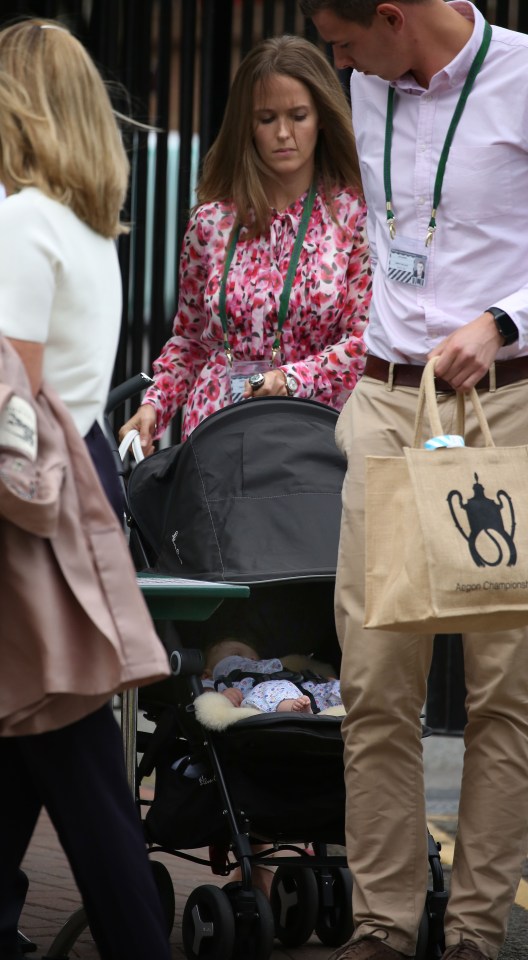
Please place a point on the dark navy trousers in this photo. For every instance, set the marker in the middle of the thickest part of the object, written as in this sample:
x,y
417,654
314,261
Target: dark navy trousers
x,y
78,774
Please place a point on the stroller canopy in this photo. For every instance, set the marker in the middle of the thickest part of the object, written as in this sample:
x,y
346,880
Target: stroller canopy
x,y
253,495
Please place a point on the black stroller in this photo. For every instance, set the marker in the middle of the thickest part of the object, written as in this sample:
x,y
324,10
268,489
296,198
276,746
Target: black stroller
x,y
253,497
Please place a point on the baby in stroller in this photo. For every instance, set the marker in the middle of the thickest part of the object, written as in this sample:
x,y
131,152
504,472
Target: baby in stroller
x,y
232,667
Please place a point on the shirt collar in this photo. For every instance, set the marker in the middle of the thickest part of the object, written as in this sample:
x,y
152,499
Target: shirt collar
x,y
455,72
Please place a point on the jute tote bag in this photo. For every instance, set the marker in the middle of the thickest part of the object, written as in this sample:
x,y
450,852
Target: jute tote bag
x,y
447,531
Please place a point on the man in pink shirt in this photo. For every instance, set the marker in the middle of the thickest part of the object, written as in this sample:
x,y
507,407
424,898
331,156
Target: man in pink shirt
x,y
457,203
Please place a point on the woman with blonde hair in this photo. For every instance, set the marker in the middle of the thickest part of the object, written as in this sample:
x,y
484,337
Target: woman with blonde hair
x,y
66,174
274,271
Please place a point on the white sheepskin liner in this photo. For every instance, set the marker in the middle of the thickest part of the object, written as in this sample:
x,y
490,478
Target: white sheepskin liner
x,y
216,712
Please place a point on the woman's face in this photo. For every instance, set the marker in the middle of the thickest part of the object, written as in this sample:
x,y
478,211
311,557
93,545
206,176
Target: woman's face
x,y
285,127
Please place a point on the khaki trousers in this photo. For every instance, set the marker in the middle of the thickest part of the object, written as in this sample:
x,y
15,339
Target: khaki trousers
x,y
383,682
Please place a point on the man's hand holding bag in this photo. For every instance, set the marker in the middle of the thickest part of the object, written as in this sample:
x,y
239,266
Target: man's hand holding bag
x,y
447,531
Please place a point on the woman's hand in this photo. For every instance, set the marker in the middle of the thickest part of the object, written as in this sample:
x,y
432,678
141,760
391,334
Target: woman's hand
x,y
274,386
144,420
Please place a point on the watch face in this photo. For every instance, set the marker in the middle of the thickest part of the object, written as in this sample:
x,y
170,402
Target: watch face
x,y
291,385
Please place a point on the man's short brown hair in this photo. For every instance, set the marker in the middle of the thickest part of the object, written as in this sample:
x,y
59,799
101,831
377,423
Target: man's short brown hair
x,y
360,11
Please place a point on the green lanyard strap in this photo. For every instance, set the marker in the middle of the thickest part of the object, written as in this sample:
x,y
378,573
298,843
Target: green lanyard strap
x,y
462,100
284,299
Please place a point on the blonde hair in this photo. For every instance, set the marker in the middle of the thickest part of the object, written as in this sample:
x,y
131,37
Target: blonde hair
x,y
58,129
232,169
228,647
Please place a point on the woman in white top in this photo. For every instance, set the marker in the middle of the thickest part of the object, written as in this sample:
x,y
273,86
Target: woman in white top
x,y
66,174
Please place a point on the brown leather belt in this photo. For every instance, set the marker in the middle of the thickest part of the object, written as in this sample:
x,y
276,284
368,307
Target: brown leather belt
x,y
409,374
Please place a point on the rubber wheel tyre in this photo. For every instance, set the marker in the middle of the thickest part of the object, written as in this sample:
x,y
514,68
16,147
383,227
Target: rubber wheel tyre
x,y
334,924
258,945
165,888
208,925
422,944
294,901
65,943
255,942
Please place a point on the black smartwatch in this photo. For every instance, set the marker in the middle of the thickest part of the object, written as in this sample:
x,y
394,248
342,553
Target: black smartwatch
x,y
504,324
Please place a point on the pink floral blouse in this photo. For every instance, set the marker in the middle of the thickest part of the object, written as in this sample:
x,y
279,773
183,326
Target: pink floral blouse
x,y
322,343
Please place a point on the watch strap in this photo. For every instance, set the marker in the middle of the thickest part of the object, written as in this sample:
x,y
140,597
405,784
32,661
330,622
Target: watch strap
x,y
290,383
505,325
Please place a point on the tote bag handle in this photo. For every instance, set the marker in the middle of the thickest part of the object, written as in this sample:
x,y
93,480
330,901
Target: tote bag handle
x,y
427,400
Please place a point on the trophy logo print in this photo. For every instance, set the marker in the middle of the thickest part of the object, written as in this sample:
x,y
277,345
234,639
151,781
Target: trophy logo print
x,y
487,525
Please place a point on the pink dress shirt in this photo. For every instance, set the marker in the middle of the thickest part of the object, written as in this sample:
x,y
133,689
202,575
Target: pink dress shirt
x,y
479,254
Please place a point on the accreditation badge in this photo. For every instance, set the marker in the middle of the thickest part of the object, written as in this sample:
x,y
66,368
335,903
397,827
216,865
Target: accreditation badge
x,y
407,262
238,373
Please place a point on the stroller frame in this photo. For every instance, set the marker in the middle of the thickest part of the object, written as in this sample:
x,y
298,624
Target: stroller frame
x,y
308,890
222,480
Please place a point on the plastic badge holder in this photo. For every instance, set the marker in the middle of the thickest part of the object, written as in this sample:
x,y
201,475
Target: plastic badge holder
x,y
240,371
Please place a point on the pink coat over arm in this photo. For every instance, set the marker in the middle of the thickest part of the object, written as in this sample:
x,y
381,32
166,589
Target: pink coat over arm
x,y
74,628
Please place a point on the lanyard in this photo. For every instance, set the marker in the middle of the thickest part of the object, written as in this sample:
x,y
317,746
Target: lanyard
x,y
462,100
284,299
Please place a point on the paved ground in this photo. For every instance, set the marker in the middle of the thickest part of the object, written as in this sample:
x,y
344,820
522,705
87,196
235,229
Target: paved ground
x,y
53,897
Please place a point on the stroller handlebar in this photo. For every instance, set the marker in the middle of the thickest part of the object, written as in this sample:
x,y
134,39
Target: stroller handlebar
x,y
127,389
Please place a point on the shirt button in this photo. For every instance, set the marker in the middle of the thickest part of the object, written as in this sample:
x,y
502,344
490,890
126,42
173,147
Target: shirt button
x,y
421,201
427,98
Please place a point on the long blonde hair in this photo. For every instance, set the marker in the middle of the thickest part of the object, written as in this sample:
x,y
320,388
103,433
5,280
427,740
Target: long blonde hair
x,y
57,128
232,169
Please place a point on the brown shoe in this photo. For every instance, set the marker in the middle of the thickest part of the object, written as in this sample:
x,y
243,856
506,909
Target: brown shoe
x,y
465,950
367,948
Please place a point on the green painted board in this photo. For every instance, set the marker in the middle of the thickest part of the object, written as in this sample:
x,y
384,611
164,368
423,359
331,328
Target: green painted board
x,y
171,598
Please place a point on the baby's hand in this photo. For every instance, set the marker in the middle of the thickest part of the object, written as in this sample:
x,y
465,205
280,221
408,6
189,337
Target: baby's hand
x,y
234,695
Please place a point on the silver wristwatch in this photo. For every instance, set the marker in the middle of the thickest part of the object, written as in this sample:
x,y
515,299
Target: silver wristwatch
x,y
291,385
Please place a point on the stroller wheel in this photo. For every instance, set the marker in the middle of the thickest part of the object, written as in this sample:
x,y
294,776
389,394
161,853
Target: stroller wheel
x,y
165,888
208,925
254,925
68,941
334,924
422,945
294,901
